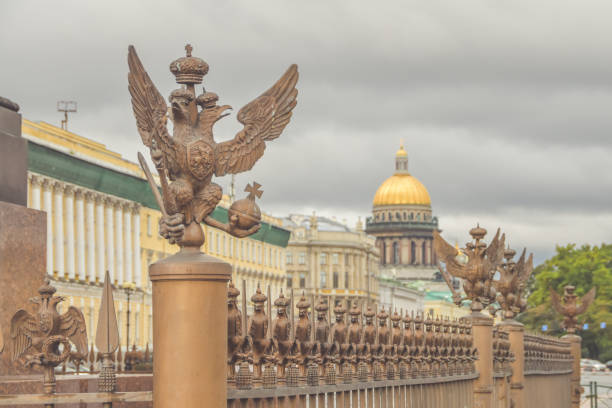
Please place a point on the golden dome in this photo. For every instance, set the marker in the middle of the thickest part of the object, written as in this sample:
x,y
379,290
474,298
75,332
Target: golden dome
x,y
401,189
401,152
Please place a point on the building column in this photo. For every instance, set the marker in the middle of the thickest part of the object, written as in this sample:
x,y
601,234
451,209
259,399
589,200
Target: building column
x,y
99,242
35,182
80,235
129,241
110,240
419,251
47,203
58,196
90,272
69,202
119,274
388,251
136,248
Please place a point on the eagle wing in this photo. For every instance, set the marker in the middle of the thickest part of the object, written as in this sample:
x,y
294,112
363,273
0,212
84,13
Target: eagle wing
x,y
149,107
524,268
556,301
447,254
264,119
495,252
23,329
72,325
586,301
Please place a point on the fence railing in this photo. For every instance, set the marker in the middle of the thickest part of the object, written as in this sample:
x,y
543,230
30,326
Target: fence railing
x,y
366,358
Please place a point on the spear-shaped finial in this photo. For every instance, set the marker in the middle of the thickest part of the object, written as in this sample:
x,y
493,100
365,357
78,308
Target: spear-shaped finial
x,y
107,337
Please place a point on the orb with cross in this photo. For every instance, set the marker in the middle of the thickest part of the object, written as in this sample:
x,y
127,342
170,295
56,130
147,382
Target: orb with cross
x,y
245,213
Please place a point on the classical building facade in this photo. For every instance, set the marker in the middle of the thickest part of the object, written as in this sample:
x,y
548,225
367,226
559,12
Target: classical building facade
x,y
102,216
403,223
325,258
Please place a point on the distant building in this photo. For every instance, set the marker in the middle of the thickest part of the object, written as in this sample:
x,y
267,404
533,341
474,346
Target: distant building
x,y
400,295
325,258
403,223
102,216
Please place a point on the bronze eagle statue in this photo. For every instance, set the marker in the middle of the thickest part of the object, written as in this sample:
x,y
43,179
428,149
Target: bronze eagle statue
x,y
477,270
187,160
568,306
37,338
512,280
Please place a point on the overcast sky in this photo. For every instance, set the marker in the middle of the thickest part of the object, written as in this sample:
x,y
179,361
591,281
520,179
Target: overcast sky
x,y
505,108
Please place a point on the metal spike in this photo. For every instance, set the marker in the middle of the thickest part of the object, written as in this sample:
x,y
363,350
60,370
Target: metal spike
x,y
107,333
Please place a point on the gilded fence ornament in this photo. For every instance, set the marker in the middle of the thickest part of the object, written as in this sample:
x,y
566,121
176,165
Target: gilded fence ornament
x,y
354,337
258,332
512,281
568,306
46,338
281,334
303,336
187,160
237,342
322,338
340,338
476,271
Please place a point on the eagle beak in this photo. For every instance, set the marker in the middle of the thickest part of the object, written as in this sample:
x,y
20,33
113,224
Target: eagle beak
x,y
222,109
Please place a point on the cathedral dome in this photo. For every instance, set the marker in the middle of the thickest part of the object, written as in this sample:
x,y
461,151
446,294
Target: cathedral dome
x,y
401,189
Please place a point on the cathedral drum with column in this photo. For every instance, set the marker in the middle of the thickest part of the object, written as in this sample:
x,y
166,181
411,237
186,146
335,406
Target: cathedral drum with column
x,y
403,225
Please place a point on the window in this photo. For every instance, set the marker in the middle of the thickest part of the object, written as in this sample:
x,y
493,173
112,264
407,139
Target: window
x,y
217,246
210,242
302,280
346,279
149,232
270,257
347,259
382,216
323,258
336,280
302,258
231,247
323,279
289,281
335,259
396,253
224,246
289,260
242,250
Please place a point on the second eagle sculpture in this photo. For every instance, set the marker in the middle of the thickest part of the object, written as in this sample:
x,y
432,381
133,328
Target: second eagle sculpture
x,y
187,160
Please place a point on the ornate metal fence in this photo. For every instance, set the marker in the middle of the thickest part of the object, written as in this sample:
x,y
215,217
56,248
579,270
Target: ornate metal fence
x,y
548,370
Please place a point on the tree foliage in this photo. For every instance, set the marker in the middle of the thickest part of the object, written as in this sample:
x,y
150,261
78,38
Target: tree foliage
x,y
583,268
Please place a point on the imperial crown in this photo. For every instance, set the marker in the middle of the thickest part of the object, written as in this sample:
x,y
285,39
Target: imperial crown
x,y
188,69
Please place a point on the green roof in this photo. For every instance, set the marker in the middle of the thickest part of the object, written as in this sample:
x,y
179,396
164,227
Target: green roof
x,y
50,162
439,295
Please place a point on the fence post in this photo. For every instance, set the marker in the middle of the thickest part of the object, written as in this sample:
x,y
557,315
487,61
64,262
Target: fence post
x,y
516,335
576,350
190,330
482,328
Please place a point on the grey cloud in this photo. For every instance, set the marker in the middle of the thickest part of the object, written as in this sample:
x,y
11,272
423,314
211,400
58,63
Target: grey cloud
x,y
504,107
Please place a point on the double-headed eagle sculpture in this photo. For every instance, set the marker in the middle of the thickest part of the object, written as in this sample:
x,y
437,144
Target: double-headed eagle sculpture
x,y
568,306
476,268
511,284
46,337
187,160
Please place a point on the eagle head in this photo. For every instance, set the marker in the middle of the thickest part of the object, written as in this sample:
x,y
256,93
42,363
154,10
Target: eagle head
x,y
179,103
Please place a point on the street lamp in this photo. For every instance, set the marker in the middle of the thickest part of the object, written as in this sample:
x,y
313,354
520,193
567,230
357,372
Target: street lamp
x,y
129,287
